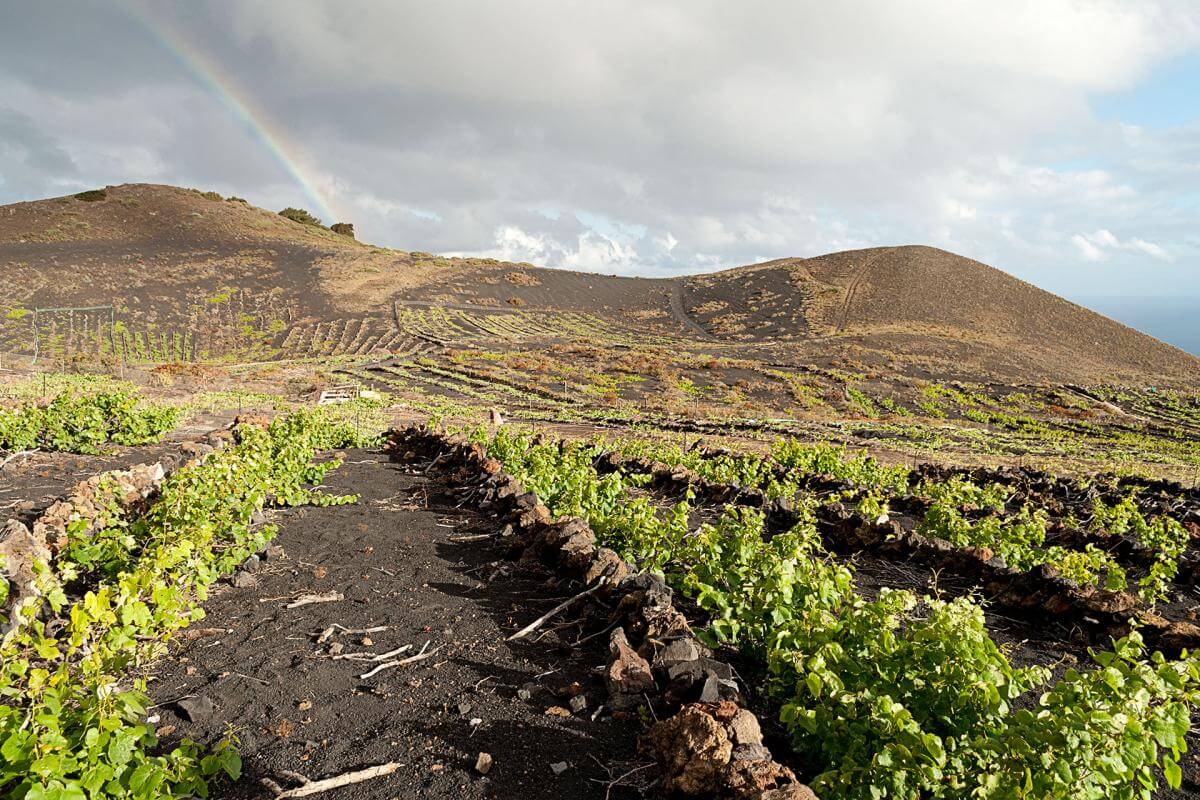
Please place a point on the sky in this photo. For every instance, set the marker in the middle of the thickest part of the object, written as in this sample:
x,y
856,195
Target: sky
x,y
1058,140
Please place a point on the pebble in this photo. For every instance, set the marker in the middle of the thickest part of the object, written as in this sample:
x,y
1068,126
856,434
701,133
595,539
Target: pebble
x,y
558,768
197,709
244,580
483,764
578,703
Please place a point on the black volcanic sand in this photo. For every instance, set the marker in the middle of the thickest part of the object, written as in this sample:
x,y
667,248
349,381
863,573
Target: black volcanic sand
x,y
295,709
30,483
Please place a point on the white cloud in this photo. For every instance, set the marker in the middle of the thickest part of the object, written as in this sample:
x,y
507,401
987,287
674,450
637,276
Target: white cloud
x,y
589,252
1090,251
690,133
1100,246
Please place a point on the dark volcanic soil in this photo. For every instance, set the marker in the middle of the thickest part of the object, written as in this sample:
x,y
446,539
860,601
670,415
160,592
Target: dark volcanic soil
x,y
30,483
295,708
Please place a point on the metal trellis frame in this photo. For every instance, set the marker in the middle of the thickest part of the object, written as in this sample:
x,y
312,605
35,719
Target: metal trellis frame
x,y
112,321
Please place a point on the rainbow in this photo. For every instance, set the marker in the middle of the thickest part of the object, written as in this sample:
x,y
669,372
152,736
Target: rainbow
x,y
239,104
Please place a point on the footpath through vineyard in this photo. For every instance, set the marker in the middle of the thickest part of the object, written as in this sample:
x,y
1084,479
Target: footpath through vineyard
x,y
493,615
283,651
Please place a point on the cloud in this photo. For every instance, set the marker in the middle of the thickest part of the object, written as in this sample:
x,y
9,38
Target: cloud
x,y
1089,250
589,252
28,155
1100,245
668,137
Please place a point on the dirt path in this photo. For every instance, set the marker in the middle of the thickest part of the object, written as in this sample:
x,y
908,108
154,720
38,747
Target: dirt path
x,y
294,708
681,315
859,274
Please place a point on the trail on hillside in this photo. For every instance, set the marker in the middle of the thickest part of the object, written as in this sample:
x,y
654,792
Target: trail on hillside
x,y
681,315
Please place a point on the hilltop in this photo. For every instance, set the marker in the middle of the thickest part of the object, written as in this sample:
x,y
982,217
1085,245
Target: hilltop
x,y
224,275
929,303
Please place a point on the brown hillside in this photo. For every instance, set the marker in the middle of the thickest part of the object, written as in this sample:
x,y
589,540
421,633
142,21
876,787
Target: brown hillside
x,y
201,275
928,303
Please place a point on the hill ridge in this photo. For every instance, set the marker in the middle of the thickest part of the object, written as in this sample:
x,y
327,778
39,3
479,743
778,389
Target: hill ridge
x,y
180,262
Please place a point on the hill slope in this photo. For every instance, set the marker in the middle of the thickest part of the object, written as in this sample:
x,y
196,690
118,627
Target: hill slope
x,y
928,302
192,275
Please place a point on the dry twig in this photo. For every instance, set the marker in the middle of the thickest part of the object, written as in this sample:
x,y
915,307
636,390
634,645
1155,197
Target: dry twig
x,y
476,537
420,656
309,599
537,623
308,787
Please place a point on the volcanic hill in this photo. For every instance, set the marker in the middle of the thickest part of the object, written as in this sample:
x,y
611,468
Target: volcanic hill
x,y
191,275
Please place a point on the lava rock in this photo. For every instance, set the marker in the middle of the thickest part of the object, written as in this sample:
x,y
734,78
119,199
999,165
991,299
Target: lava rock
x,y
196,709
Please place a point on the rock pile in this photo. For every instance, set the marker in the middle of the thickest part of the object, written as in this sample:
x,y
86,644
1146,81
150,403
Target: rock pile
x,y
89,506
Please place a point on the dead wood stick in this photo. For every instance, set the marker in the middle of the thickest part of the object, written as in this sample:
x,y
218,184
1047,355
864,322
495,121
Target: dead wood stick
x,y
537,623
420,656
251,678
591,636
335,627
475,537
308,599
396,652
356,631
371,656
308,787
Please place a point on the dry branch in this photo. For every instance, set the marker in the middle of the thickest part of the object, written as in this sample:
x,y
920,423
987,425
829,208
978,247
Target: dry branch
x,y
537,623
308,787
309,599
475,537
423,654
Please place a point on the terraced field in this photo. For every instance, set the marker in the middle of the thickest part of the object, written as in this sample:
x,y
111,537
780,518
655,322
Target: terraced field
x,y
788,621
290,515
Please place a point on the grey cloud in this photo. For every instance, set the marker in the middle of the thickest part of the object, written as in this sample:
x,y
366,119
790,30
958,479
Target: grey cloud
x,y
28,155
736,131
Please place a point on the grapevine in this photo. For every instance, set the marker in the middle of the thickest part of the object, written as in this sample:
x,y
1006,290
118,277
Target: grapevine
x,y
73,724
81,422
900,696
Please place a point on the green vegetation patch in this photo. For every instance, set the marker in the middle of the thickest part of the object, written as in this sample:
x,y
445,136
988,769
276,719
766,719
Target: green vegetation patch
x,y
898,696
80,423
73,717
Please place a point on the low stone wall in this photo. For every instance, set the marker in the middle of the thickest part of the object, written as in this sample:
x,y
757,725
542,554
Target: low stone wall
x,y
1039,592
712,745
23,547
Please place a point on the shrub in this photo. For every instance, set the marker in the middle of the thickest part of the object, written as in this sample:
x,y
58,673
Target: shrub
x,y
80,423
92,195
344,228
234,199
211,196
300,215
